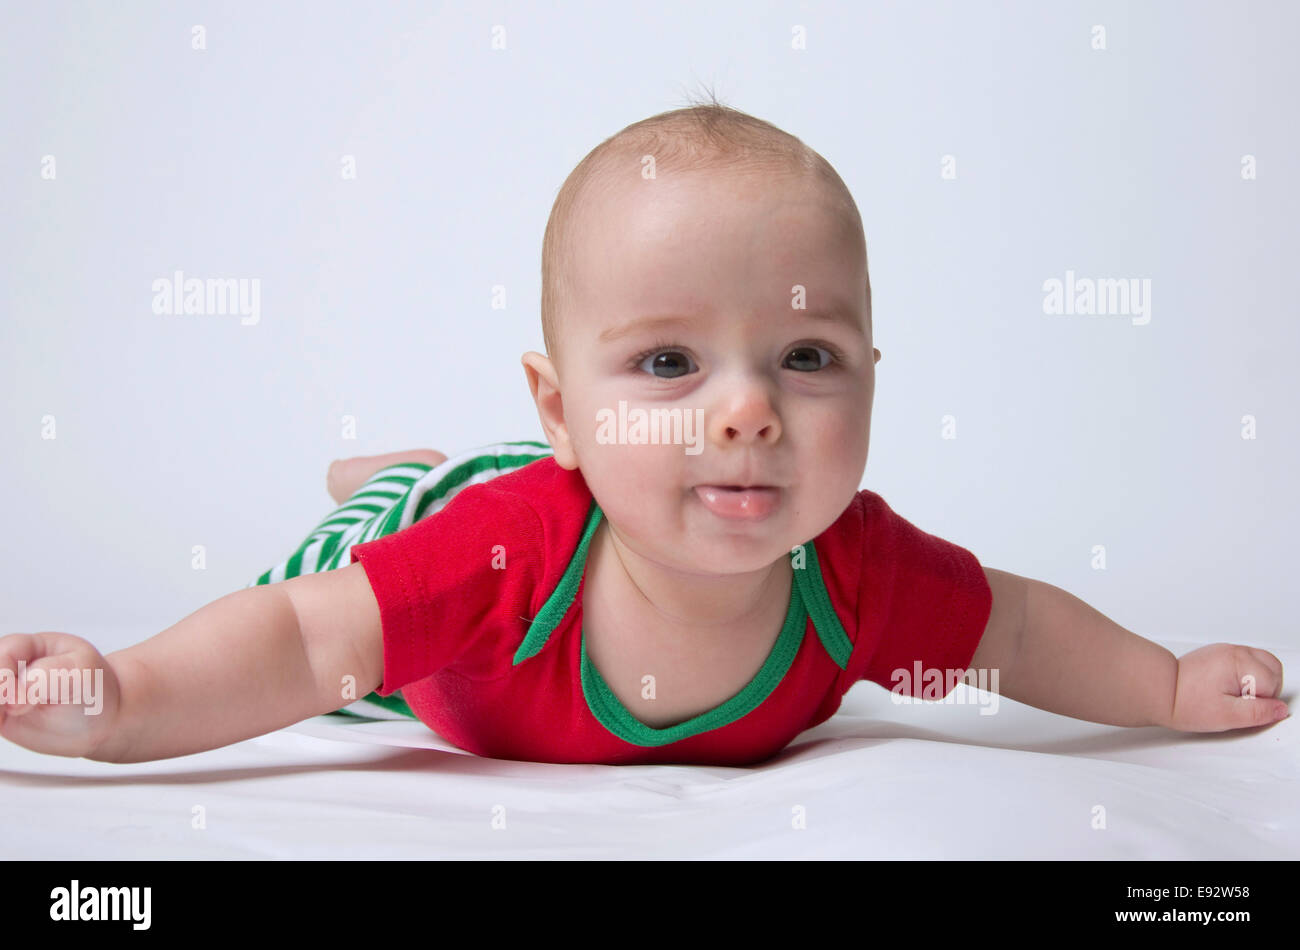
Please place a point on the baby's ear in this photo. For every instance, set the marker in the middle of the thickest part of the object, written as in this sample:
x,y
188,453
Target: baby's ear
x,y
877,352
535,367
545,387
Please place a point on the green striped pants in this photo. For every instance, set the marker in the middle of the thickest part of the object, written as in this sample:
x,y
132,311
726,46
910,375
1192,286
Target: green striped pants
x,y
392,499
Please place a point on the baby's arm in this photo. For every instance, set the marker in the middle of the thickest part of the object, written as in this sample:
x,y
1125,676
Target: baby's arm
x,y
1055,652
249,663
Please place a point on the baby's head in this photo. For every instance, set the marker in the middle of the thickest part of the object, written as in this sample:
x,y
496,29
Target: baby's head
x,y
703,264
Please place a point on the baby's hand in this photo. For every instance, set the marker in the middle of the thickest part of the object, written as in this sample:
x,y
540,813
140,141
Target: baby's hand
x,y
70,712
1227,686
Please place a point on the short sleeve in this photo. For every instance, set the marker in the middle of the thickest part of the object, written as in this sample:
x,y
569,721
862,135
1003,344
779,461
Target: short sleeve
x,y
923,605
450,585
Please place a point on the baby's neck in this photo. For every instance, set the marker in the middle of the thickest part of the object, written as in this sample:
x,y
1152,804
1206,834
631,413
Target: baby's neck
x,y
691,606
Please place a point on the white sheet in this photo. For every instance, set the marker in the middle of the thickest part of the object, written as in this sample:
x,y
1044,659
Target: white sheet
x,y
931,780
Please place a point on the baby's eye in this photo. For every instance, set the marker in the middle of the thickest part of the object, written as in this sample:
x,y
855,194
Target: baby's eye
x,y
674,363
809,354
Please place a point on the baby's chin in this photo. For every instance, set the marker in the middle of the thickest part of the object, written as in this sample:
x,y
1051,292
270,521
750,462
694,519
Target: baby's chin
x,y
720,563
696,540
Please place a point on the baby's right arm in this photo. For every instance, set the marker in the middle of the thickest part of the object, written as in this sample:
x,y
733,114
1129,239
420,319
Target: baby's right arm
x,y
253,661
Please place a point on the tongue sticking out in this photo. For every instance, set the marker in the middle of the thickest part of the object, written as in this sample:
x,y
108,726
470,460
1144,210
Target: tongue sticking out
x,y
729,501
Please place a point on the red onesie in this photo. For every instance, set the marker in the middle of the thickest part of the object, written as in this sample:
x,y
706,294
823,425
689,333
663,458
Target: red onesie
x,y
481,606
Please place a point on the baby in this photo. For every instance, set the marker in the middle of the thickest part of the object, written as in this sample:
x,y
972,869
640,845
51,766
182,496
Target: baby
x,y
686,571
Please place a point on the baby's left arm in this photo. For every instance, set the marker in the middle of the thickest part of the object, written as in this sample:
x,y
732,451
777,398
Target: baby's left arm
x,y
1053,651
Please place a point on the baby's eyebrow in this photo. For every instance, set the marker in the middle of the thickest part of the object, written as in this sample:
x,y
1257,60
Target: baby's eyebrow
x,y
834,314
643,325
837,313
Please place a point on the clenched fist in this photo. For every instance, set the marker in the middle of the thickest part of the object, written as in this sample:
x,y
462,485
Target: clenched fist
x,y
58,695
1227,686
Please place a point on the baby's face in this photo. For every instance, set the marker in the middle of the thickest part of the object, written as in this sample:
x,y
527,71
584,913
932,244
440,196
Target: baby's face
x,y
684,299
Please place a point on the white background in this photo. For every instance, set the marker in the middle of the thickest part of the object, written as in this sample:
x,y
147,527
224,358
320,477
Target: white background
x,y
1072,431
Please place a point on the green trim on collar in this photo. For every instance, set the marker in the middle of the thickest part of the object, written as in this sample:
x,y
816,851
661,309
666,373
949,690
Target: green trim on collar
x,y
812,588
561,599
613,715
808,594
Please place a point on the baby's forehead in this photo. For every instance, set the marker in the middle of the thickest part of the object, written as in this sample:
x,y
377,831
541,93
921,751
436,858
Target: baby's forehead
x,y
622,210
629,219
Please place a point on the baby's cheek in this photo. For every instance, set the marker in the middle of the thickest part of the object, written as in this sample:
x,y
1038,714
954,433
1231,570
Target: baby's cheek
x,y
842,450
840,440
623,477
